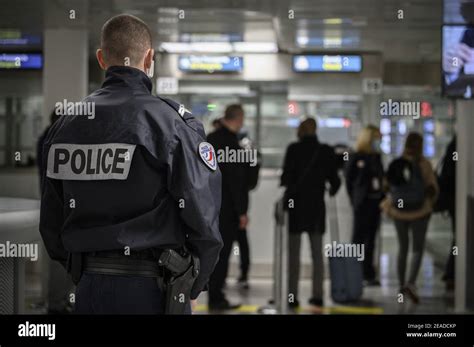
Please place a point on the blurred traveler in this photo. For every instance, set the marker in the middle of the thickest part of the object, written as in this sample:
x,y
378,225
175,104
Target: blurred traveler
x,y
446,202
251,178
308,166
364,179
413,192
233,213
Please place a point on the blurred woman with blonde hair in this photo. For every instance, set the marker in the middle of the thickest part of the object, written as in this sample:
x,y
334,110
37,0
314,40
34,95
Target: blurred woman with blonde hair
x,y
364,177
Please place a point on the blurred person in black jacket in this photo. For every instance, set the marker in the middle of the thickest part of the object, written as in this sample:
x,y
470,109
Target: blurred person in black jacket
x,y
364,178
233,213
252,171
447,197
308,166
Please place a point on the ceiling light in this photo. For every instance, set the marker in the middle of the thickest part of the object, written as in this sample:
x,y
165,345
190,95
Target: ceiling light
x,y
219,47
175,47
332,21
211,47
255,47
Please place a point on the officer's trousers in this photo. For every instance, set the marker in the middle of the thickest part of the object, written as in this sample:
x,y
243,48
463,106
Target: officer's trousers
x,y
112,294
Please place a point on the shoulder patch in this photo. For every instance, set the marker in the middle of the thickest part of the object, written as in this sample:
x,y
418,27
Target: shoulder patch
x,y
182,110
186,116
177,107
208,155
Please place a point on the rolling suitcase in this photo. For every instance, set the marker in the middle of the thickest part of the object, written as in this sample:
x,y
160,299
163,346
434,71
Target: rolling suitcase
x,y
346,272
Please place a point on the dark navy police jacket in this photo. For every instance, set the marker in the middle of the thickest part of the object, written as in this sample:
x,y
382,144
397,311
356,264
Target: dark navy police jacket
x,y
131,176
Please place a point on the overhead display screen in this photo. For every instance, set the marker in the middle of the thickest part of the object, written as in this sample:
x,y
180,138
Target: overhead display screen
x,y
327,63
458,61
210,63
21,61
15,37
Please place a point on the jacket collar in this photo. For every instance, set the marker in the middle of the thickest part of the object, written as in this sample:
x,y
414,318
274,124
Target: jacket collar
x,y
310,138
131,76
227,131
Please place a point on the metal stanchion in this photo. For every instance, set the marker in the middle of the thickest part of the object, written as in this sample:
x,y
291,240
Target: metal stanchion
x,y
280,263
283,299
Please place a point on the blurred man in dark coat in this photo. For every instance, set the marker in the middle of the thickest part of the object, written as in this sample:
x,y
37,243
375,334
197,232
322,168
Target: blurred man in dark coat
x,y
233,214
309,165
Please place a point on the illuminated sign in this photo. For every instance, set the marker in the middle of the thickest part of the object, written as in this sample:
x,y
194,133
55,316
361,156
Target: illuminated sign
x,y
426,109
20,61
327,63
13,37
203,63
334,123
211,37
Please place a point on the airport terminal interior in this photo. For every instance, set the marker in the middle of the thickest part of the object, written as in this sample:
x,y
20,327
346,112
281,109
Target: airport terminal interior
x,y
338,61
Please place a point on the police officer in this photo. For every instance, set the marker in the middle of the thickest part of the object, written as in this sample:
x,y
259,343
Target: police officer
x,y
124,185
233,214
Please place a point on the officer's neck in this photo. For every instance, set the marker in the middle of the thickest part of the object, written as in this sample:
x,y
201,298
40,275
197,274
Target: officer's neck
x,y
141,68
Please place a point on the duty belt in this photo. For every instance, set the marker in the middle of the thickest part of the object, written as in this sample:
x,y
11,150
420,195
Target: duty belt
x,y
122,266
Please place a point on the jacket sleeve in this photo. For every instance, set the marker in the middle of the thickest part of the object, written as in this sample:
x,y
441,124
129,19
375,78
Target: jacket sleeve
x,y
235,174
199,187
51,213
288,177
431,182
234,177
253,174
333,175
350,176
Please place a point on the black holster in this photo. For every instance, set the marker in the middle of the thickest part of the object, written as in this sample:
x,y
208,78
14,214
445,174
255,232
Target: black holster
x,y
180,272
75,262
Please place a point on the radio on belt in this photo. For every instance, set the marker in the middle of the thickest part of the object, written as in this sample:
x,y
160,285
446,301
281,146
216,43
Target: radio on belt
x,y
90,162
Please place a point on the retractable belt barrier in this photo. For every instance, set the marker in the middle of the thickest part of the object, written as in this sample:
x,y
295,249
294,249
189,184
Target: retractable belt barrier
x,y
280,262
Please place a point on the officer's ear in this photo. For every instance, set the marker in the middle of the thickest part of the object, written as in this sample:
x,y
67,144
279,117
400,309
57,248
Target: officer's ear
x,y
149,59
149,63
100,58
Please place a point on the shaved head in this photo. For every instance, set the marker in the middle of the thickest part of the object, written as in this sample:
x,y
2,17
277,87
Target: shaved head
x,y
125,36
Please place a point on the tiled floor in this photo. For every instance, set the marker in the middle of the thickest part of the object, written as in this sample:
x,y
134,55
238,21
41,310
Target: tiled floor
x,y
376,300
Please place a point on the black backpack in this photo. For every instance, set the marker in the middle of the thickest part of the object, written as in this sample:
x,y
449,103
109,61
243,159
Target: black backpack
x,y
406,184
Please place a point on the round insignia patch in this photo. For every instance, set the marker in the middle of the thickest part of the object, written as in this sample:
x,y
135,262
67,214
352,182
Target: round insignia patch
x,y
208,155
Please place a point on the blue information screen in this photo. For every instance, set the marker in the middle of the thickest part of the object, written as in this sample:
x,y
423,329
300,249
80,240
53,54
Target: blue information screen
x,y
211,63
21,61
327,63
